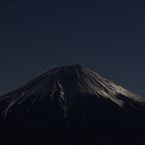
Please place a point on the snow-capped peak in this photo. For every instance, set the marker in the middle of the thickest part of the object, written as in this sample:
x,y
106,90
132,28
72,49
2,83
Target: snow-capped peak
x,y
68,82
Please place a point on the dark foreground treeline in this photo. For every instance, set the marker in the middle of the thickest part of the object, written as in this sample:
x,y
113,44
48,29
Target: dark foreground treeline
x,y
34,136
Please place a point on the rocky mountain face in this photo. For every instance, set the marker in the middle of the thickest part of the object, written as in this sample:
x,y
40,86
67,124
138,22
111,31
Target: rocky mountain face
x,y
71,104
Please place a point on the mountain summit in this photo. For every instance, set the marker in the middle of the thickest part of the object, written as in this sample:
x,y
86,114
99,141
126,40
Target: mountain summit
x,y
72,98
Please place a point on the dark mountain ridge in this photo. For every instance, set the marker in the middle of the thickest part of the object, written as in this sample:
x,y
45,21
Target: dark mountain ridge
x,y
72,100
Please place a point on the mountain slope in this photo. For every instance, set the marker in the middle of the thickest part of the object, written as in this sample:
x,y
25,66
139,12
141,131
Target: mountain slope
x,y
74,98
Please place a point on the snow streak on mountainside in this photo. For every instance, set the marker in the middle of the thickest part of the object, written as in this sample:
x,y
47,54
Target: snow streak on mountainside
x,y
67,82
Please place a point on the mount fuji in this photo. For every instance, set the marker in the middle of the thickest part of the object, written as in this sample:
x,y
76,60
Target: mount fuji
x,y
69,105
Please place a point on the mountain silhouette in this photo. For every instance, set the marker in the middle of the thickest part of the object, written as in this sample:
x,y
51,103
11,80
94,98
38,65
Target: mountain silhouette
x,y
70,105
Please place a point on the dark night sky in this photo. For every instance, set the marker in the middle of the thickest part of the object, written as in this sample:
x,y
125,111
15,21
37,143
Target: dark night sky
x,y
106,36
